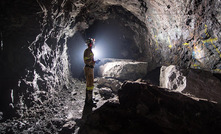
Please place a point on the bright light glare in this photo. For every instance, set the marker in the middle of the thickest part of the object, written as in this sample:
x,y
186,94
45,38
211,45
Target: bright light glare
x,y
97,53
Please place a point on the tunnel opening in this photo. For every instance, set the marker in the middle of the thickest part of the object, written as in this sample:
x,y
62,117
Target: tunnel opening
x,y
116,37
112,41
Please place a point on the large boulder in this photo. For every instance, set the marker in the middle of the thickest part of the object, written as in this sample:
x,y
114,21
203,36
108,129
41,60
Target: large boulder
x,y
113,84
123,69
172,78
106,93
203,84
199,83
146,109
153,76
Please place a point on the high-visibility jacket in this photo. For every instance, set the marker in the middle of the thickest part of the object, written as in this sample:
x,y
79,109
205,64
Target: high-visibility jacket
x,y
89,68
89,57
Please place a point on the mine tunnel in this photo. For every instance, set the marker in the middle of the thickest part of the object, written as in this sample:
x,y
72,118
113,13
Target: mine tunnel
x,y
114,39
159,69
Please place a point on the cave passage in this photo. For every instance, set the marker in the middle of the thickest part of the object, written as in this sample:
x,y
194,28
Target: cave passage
x,y
42,87
113,40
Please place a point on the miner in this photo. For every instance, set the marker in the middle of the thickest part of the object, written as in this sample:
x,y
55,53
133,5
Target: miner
x,y
89,71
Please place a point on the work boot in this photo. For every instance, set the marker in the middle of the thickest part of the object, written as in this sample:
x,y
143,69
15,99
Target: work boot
x,y
89,99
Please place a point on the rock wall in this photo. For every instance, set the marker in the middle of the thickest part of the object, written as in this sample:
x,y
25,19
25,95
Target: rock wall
x,y
186,30
19,27
122,69
198,83
34,36
34,52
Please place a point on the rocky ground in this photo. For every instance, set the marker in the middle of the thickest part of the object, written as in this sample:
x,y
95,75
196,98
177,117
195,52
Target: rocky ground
x,y
144,108
62,114
126,107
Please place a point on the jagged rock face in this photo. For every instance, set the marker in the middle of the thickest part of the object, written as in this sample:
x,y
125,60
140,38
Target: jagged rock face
x,y
203,84
153,110
34,36
114,84
34,60
180,27
172,78
199,83
123,69
19,27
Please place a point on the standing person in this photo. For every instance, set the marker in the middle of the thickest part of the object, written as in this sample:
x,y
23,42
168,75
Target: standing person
x,y
89,71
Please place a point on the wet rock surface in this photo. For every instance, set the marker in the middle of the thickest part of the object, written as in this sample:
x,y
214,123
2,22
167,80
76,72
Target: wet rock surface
x,y
153,110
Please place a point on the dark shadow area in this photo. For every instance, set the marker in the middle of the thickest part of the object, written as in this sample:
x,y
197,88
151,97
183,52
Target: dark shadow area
x,y
87,111
85,114
153,76
218,76
76,46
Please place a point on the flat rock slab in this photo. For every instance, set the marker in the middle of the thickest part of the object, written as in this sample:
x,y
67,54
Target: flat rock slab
x,y
122,69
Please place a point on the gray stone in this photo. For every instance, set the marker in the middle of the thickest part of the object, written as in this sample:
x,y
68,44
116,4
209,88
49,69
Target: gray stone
x,y
144,108
123,69
1,114
199,83
106,93
113,84
203,84
172,78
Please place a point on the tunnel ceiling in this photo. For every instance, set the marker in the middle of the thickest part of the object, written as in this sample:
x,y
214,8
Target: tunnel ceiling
x,y
35,37
185,33
132,28
173,30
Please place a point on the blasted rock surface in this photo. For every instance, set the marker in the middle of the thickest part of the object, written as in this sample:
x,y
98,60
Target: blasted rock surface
x,y
113,84
203,84
34,35
153,110
199,83
123,69
172,78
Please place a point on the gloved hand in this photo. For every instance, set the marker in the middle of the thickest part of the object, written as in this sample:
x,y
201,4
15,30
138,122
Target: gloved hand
x,y
97,61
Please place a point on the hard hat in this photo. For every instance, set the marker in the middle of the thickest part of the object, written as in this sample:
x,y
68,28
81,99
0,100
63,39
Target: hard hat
x,y
90,41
